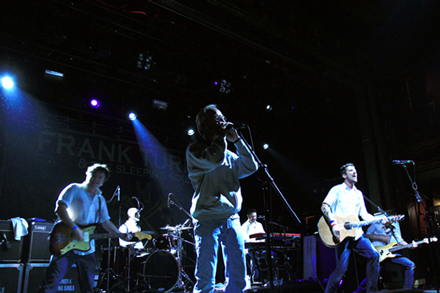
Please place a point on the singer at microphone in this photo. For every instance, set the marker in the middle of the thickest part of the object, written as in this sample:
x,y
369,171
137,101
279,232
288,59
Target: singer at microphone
x,y
209,163
230,125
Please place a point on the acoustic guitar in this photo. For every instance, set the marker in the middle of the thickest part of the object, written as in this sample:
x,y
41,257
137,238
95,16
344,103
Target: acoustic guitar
x,y
61,238
387,250
347,226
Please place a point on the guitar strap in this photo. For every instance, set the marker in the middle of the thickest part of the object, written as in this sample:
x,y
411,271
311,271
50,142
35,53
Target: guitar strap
x,y
99,211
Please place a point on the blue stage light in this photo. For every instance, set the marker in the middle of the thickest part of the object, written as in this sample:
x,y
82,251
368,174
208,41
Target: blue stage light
x,y
7,82
191,132
132,116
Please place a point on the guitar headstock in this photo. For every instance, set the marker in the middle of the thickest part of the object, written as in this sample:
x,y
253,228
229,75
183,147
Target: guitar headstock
x,y
142,236
396,218
433,239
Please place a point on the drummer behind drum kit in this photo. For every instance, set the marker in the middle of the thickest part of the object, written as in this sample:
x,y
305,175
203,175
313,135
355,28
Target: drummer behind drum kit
x,y
125,269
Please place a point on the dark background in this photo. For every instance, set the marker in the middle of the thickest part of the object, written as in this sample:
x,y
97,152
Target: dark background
x,y
347,81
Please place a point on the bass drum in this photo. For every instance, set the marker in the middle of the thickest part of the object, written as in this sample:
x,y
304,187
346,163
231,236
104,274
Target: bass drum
x,y
161,271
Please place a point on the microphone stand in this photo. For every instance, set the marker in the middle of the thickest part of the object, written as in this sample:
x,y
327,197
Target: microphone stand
x,y
180,240
267,199
429,224
118,194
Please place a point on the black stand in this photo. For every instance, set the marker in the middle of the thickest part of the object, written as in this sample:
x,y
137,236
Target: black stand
x,y
183,279
429,224
109,271
268,204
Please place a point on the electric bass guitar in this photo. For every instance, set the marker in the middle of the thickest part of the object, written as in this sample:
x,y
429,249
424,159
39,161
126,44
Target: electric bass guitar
x,y
387,250
61,238
347,226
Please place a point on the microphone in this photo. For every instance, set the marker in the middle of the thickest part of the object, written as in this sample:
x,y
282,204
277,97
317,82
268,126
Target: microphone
x,y
230,126
118,190
138,214
168,202
402,162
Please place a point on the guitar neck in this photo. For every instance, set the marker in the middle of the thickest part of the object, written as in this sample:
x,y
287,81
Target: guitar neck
x,y
402,247
107,235
396,248
366,223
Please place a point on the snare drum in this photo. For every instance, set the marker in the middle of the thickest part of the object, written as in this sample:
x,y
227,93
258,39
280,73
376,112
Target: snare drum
x,y
161,271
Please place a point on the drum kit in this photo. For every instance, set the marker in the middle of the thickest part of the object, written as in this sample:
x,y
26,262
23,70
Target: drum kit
x,y
153,269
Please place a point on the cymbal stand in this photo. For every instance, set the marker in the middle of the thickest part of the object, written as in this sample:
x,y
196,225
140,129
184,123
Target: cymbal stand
x,y
183,274
109,271
130,255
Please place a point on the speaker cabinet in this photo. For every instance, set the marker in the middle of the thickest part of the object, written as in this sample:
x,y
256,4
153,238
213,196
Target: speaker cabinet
x,y
36,272
36,244
10,249
11,276
319,260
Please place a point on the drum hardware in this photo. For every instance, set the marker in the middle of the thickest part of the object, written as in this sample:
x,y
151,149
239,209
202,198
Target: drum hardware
x,y
176,228
157,270
113,274
175,235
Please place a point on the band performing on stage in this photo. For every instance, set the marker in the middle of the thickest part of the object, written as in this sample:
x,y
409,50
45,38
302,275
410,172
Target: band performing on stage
x,y
250,253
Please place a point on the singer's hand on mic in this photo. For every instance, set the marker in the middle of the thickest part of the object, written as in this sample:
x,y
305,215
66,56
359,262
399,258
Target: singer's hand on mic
x,y
229,131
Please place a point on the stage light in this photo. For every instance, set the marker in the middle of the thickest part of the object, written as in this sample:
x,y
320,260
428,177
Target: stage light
x,y
53,75
159,105
7,82
225,86
191,132
269,107
132,116
94,103
145,61
265,146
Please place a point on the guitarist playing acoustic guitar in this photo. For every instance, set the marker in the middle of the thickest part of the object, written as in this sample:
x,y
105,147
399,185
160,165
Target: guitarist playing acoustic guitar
x,y
79,205
384,234
342,201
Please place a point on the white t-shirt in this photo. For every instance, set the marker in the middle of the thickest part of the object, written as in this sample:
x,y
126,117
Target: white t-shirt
x,y
344,201
249,228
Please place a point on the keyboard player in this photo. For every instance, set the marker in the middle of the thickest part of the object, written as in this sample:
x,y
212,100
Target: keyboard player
x,y
250,227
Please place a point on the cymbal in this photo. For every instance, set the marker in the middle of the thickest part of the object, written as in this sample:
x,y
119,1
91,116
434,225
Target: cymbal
x,y
149,232
176,228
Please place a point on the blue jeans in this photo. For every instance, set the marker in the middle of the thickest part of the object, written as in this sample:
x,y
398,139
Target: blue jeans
x,y
364,248
60,264
409,272
208,234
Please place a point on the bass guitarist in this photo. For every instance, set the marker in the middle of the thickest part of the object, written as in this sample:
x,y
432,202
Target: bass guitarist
x,y
344,200
80,204
383,234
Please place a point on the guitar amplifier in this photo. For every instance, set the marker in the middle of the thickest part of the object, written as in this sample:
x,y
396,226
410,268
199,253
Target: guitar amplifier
x,y
319,260
36,244
10,249
11,277
35,274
